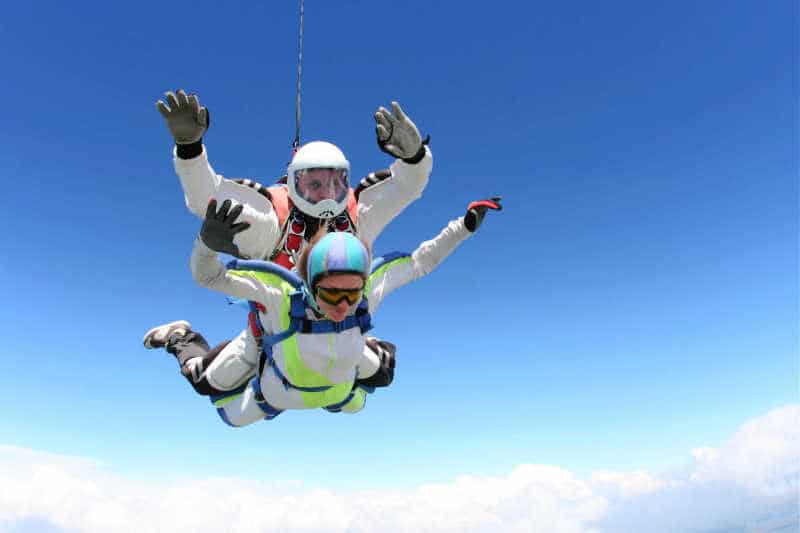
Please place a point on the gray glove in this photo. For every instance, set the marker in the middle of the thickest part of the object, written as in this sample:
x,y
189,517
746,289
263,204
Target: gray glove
x,y
397,135
186,119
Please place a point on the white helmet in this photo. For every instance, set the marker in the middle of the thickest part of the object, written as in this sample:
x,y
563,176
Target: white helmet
x,y
319,179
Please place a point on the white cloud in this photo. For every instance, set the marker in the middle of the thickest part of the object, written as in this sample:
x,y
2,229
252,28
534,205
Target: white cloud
x,y
748,484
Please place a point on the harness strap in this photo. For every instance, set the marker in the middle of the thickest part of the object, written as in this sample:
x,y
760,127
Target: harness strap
x,y
286,383
363,317
270,411
266,358
252,321
272,340
337,407
299,324
297,304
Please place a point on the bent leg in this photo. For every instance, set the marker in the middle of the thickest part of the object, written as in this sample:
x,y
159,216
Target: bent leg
x,y
240,408
191,351
234,364
194,370
194,358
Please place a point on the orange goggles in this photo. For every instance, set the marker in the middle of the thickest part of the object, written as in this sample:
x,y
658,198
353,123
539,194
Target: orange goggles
x,y
335,296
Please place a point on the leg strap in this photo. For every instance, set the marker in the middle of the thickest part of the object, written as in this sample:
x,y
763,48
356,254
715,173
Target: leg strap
x,y
270,411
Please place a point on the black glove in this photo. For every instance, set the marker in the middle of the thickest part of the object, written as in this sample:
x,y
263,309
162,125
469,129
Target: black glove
x,y
219,229
385,374
477,210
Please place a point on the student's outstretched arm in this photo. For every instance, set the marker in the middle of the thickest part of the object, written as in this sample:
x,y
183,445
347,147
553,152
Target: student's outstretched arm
x,y
401,269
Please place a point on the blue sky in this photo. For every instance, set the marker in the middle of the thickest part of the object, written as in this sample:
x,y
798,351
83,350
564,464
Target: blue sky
x,y
636,298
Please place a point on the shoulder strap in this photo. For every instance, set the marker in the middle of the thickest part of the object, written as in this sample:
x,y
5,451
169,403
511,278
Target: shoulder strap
x,y
352,205
267,267
279,196
300,324
383,260
381,264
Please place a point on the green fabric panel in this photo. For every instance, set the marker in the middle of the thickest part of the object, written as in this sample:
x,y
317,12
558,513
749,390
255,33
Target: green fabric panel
x,y
226,400
302,376
357,403
272,280
296,370
329,397
382,270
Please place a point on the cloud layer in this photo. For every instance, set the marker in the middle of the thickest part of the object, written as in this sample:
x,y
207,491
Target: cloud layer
x,y
748,484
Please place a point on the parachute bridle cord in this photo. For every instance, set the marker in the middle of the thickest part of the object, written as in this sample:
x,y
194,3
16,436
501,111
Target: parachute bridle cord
x,y
296,143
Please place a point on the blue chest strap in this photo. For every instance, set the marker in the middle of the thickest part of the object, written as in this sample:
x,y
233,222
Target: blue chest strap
x,y
300,324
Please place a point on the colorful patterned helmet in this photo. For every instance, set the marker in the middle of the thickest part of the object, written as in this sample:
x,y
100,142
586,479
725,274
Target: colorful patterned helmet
x,y
337,252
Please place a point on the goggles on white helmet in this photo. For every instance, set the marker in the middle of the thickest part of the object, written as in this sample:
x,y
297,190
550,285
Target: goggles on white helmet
x,y
319,179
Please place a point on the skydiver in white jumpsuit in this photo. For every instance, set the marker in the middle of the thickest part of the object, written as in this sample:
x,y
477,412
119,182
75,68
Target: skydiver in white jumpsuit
x,y
310,347
284,217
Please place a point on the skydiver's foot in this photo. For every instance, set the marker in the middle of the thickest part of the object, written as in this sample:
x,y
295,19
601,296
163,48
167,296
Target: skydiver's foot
x,y
166,334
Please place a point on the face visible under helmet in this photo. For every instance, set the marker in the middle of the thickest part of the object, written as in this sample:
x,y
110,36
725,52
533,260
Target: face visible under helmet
x,y
319,179
336,253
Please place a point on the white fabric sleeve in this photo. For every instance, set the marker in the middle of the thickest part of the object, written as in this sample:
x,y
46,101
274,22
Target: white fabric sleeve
x,y
198,179
425,258
209,272
201,183
382,202
369,363
260,239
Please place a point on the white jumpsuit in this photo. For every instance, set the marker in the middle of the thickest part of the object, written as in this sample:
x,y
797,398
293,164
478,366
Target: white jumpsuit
x,y
335,355
378,204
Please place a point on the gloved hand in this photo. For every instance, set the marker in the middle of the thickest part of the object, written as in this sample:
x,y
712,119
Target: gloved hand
x,y
186,119
397,135
477,210
219,228
385,374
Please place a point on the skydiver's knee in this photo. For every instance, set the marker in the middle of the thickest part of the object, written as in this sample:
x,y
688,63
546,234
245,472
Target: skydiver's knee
x,y
240,409
237,419
225,418
229,371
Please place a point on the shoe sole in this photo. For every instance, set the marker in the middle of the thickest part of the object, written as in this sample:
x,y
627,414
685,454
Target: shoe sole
x,y
178,323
